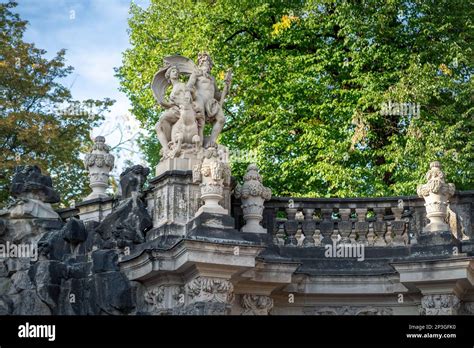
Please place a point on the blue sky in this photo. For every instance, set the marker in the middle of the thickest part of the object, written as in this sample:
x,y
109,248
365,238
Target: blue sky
x,y
94,33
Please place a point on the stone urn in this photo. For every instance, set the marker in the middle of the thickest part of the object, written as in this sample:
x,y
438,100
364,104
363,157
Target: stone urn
x,y
99,162
213,173
253,194
436,193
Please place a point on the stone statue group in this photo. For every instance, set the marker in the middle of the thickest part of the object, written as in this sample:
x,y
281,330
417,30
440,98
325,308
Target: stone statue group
x,y
190,105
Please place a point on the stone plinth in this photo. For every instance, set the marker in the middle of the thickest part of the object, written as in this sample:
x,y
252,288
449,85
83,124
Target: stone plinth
x,y
174,200
176,164
95,209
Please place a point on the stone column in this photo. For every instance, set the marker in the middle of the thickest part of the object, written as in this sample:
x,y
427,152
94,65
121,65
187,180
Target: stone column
x,y
436,193
99,162
253,194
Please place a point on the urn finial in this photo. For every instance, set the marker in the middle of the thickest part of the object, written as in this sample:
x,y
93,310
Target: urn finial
x,y
436,193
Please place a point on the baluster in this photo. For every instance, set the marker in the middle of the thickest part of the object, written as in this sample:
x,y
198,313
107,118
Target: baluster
x,y
317,234
398,226
299,232
361,227
291,227
379,226
371,234
279,231
309,227
411,227
326,226
345,225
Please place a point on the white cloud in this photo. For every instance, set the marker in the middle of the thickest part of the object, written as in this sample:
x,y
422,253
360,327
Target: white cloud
x,y
94,39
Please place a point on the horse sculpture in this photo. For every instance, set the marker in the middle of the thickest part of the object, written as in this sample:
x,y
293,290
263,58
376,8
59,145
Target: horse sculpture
x,y
185,133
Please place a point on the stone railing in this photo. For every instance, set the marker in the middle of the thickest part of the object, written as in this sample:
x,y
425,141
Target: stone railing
x,y
384,221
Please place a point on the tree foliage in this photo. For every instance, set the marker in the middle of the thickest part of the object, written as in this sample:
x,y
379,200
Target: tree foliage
x,y
39,121
310,79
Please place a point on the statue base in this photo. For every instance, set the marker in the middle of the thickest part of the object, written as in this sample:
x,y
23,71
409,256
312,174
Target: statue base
x,y
435,238
173,200
180,164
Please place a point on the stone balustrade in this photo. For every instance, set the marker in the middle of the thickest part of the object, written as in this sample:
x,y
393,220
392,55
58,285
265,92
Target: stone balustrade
x,y
381,221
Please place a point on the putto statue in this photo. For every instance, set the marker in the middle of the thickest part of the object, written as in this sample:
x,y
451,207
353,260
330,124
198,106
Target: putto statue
x,y
190,105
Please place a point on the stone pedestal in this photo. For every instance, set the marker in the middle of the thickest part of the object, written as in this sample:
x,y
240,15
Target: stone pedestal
x,y
95,209
176,164
442,283
33,208
174,200
182,184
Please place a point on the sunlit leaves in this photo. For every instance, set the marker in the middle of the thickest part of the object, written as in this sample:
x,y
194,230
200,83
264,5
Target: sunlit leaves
x,y
309,81
40,123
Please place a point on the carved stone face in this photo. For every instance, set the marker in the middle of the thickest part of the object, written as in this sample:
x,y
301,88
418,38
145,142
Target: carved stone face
x,y
174,73
205,66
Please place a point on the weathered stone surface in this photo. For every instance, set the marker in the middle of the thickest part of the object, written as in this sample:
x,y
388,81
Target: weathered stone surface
x,y
28,182
79,270
115,294
256,304
3,227
5,286
21,281
17,264
49,294
203,308
132,180
28,303
440,304
128,224
3,269
105,261
349,310
213,174
75,231
48,272
78,297
6,305
52,246
32,208
436,238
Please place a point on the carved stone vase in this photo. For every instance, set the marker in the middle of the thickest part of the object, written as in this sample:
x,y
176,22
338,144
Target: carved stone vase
x,y
436,193
253,194
213,173
99,162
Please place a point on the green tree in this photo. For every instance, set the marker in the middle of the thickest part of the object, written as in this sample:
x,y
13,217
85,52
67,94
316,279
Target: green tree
x,y
39,121
310,80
